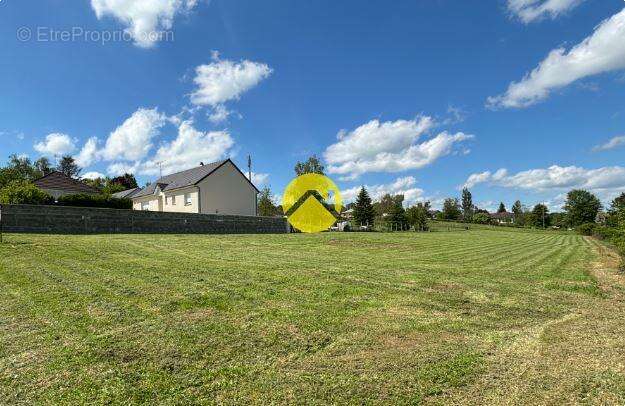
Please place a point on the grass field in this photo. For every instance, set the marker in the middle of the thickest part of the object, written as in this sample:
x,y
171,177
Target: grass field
x,y
475,317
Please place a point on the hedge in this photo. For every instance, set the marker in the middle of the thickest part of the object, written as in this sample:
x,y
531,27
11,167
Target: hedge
x,y
100,201
24,193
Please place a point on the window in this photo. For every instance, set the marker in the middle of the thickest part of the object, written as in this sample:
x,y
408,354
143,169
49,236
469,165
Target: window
x,y
173,200
187,199
145,206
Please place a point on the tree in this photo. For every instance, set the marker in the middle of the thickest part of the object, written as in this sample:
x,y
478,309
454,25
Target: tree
x,y
266,207
467,205
517,210
451,209
18,169
312,165
398,214
502,208
540,216
22,192
386,204
481,218
364,213
43,166
417,216
127,180
581,207
616,215
68,167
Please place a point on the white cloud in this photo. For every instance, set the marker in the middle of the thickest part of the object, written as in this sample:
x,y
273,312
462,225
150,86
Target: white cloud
x,y
88,153
603,51
190,147
92,175
532,10
260,179
56,144
606,181
388,147
224,80
121,168
132,140
145,19
613,143
219,114
401,186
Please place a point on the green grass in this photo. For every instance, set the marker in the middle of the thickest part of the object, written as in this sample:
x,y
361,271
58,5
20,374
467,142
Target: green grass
x,y
468,317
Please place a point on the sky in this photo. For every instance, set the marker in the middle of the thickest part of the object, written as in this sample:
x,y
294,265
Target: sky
x,y
515,99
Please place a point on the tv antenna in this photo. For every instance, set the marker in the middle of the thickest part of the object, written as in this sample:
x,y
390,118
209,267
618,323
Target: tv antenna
x,y
160,169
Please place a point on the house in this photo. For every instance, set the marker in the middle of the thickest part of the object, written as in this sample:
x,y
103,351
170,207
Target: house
x,y
58,184
503,218
217,188
126,194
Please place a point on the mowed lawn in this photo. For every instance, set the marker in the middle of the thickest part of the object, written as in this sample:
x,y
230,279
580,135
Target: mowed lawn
x,y
477,317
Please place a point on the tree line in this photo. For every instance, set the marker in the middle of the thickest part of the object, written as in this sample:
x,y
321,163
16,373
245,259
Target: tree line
x,y
18,175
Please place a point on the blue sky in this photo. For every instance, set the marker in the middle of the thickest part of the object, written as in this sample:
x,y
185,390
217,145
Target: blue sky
x,y
514,98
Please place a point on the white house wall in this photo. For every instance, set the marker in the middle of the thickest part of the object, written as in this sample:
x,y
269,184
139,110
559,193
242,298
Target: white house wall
x,y
226,191
180,206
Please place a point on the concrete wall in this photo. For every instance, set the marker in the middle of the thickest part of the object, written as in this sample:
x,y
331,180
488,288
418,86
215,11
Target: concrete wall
x,y
227,192
76,220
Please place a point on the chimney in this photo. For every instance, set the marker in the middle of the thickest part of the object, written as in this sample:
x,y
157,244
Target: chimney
x,y
201,163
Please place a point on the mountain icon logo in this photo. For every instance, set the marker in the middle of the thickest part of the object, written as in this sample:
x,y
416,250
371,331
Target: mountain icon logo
x,y
312,203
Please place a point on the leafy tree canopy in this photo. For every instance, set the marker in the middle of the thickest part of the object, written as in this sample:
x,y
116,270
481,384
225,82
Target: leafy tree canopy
x,y
312,165
581,207
68,167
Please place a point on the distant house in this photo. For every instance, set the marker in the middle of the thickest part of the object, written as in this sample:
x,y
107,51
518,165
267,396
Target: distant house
x,y
216,188
126,194
503,218
58,184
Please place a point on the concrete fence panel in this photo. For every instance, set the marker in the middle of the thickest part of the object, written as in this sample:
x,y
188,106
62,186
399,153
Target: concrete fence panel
x,y
78,220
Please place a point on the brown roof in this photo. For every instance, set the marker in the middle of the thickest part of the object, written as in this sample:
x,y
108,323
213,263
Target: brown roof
x,y
61,182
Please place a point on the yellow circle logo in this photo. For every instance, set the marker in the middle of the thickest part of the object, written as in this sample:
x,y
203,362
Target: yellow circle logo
x,y
312,203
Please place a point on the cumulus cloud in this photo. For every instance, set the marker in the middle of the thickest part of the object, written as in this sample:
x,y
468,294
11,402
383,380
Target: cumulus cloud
x,y
606,181
219,114
260,179
92,175
145,19
224,80
88,153
401,186
533,10
388,147
613,143
190,147
121,168
132,140
603,51
55,144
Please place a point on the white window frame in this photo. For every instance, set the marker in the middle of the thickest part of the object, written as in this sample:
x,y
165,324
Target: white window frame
x,y
188,201
173,200
145,206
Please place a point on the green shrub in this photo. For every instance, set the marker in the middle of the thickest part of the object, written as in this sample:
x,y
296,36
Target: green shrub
x,y
100,201
587,229
24,193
